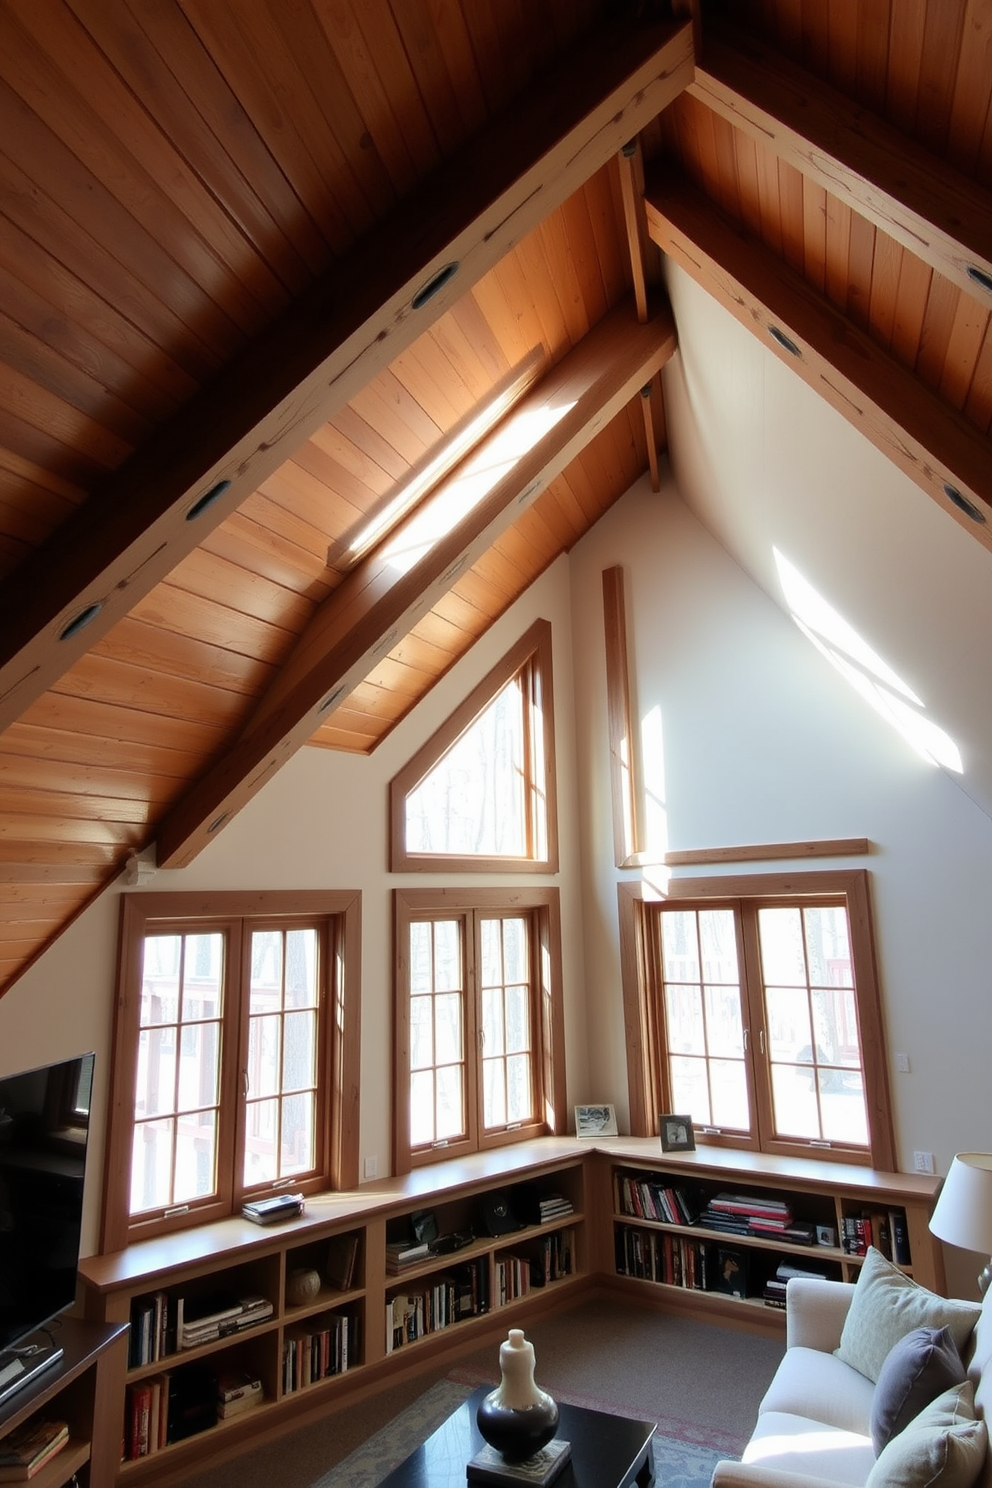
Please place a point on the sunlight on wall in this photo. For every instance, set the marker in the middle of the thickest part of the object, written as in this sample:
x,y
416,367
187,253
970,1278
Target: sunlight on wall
x,y
867,673
654,816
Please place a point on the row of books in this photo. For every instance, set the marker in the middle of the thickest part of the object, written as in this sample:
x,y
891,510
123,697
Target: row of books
x,y
163,1325
887,1231
653,1255
317,1353
25,1450
646,1198
463,1292
176,1404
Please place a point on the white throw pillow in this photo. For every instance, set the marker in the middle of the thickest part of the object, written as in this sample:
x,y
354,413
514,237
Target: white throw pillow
x,y
887,1304
943,1447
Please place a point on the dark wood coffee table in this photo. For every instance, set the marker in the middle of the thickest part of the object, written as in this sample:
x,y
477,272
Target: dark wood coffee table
x,y
607,1451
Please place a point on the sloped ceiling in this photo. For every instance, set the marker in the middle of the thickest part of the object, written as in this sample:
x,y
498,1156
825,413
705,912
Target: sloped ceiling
x,y
326,326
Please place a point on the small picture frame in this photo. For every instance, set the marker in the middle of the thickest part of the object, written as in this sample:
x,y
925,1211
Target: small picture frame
x,y
826,1235
595,1121
677,1134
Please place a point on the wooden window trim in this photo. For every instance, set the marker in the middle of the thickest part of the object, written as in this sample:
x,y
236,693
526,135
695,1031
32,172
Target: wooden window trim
x,y
544,905
646,1071
338,1137
534,646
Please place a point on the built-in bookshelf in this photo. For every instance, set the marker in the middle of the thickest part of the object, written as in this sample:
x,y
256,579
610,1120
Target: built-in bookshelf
x,y
329,1303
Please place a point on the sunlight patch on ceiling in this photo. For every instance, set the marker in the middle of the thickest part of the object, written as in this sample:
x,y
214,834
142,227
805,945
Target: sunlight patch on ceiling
x,y
865,670
474,480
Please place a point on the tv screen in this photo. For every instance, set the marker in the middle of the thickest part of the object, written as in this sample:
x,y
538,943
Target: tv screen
x,y
44,1124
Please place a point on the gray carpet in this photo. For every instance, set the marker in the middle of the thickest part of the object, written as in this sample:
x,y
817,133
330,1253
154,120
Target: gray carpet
x,y
701,1383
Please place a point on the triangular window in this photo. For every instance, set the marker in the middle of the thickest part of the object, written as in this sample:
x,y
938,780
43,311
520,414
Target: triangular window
x,y
480,794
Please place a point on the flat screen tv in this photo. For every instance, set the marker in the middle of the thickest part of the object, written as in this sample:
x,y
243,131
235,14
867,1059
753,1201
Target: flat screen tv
x,y
44,1125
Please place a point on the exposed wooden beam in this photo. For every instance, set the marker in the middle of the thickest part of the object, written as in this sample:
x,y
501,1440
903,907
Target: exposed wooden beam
x,y
764,852
138,526
619,714
391,589
940,215
945,454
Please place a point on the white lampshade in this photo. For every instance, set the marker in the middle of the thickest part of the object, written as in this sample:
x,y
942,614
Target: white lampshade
x,y
963,1214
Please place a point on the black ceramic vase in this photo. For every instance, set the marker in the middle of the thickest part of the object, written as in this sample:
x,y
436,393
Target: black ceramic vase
x,y
517,1419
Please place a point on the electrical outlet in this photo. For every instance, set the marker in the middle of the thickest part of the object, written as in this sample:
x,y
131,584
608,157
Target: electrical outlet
x,y
371,1167
902,1063
923,1162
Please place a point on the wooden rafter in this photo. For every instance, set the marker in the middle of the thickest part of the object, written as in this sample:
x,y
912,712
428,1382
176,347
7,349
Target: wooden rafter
x,y
945,454
136,528
390,590
941,216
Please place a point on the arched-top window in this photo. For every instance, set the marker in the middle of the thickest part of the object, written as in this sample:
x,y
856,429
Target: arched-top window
x,y
480,794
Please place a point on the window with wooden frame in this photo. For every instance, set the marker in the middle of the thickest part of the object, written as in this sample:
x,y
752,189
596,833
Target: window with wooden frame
x,y
236,1052
479,1044
480,794
755,1001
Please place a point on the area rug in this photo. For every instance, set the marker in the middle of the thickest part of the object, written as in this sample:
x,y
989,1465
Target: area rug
x,y
677,1464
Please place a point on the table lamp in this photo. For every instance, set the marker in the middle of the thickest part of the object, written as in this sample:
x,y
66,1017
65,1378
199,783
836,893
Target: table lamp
x,y
963,1213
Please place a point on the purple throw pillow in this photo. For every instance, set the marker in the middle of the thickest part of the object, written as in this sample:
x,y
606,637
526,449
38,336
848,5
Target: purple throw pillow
x,y
921,1366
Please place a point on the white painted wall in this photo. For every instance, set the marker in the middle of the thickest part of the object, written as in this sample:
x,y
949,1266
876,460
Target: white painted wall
x,y
321,823
763,741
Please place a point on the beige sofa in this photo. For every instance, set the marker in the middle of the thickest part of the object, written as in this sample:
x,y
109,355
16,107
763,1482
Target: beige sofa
x,y
814,1422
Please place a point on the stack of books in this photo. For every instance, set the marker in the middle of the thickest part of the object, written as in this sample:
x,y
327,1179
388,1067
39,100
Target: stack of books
x,y
774,1292
27,1448
210,1318
553,1206
400,1254
746,1214
238,1392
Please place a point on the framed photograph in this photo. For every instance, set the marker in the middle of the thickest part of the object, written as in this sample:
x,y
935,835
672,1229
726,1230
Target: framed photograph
x,y
595,1121
676,1133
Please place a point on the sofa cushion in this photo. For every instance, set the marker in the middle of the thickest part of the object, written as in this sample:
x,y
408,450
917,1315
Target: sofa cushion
x,y
921,1366
796,1444
887,1304
809,1382
943,1447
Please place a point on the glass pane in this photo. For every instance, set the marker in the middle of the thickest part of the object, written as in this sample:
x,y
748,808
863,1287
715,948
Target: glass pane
x,y
492,1022
299,1050
450,1115
718,942
297,1146
203,972
724,1025
301,968
261,1127
794,1104
515,950
517,1005
421,943
196,1157
690,1092
421,1033
198,1066
842,1106
154,1090
684,1014
263,1055
447,956
160,964
473,801
787,1016
448,1027
266,971
492,953
151,1166
836,1016
680,951
729,1087
828,946
493,1094
781,934
519,1094
421,1108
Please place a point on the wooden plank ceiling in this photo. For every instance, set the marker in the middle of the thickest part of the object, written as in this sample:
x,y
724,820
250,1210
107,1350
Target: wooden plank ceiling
x,y
214,220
